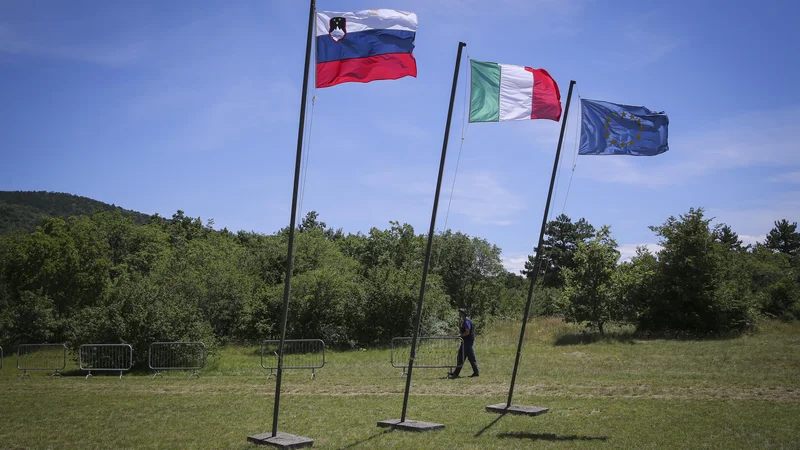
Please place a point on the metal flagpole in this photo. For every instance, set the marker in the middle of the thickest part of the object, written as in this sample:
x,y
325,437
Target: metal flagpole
x,y
422,426
263,439
288,279
537,262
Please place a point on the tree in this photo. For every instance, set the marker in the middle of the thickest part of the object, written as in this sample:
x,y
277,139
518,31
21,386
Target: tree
x,y
310,222
558,249
724,235
589,289
700,285
465,265
634,284
784,238
776,283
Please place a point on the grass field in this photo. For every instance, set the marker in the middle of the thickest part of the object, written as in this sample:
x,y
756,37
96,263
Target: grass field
x,y
612,393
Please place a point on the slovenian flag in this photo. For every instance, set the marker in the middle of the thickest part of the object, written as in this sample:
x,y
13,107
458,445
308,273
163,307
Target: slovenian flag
x,y
365,46
501,92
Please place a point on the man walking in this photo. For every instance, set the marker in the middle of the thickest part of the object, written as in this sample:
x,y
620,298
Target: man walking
x,y
466,350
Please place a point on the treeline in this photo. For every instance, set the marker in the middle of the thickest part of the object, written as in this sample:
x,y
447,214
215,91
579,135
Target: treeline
x,y
702,281
26,209
105,279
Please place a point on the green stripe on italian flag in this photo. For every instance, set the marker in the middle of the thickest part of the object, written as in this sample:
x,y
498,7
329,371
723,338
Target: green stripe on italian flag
x,y
501,92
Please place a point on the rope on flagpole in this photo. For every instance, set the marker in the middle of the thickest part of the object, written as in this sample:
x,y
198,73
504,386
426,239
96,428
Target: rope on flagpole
x,y
558,177
543,260
307,154
574,162
464,125
307,143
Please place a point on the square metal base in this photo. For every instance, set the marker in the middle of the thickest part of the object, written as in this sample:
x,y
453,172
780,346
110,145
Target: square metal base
x,y
501,408
281,440
410,425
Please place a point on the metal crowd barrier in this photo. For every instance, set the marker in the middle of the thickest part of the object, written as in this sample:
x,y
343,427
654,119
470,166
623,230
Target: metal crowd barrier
x,y
433,352
105,357
177,356
1,357
297,354
41,357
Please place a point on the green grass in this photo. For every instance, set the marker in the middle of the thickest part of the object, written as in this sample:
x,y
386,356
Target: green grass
x,y
617,392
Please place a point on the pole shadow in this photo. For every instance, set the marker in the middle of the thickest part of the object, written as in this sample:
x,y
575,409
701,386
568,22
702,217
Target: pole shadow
x,y
484,429
549,437
376,435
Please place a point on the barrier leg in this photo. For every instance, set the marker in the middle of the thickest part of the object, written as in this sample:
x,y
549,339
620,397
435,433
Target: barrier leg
x,y
88,375
120,374
157,374
56,374
269,374
24,374
313,374
193,375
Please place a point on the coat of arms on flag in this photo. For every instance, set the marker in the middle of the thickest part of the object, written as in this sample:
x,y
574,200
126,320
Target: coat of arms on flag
x,y
337,29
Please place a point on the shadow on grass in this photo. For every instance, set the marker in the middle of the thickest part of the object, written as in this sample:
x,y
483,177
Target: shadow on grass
x,y
549,437
365,440
630,337
583,338
484,429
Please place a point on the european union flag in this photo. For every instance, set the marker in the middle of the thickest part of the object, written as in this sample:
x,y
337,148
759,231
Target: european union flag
x,y
612,129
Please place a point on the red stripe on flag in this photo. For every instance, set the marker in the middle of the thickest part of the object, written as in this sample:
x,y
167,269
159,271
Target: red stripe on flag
x,y
546,96
363,70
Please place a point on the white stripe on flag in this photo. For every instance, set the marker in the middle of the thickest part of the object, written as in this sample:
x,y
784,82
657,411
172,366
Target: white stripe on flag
x,y
516,92
371,19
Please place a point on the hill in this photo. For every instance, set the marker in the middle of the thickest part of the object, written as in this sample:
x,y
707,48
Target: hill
x,y
26,209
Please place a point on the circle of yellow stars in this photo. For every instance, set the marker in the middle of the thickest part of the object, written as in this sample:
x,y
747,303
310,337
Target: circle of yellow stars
x,y
624,115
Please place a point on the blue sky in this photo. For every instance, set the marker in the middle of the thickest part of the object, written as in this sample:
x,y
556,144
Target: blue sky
x,y
159,106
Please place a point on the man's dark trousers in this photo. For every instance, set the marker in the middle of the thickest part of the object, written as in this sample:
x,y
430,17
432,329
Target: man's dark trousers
x,y
469,353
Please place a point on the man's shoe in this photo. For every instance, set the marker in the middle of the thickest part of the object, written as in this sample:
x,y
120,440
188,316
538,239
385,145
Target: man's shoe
x,y
474,375
451,375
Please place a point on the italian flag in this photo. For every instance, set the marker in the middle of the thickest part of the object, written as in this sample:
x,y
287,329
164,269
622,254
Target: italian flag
x,y
501,92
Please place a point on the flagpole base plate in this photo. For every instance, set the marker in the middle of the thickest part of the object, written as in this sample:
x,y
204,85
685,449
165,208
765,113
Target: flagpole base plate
x,y
410,425
281,440
502,408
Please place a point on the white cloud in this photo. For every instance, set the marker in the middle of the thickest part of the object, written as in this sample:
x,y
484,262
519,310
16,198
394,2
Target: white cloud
x,y
553,9
514,263
109,54
752,240
219,116
788,177
479,196
755,222
483,199
757,139
660,41
562,15
628,251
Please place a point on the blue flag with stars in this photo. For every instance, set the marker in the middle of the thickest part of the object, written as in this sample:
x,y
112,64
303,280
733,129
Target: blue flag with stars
x,y
612,129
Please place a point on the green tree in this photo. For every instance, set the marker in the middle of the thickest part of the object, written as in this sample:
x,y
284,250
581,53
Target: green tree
x,y
635,284
784,238
589,288
467,265
725,236
562,237
699,284
776,283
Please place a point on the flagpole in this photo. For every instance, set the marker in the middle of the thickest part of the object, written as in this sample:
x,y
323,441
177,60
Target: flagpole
x,y
537,260
418,314
288,278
